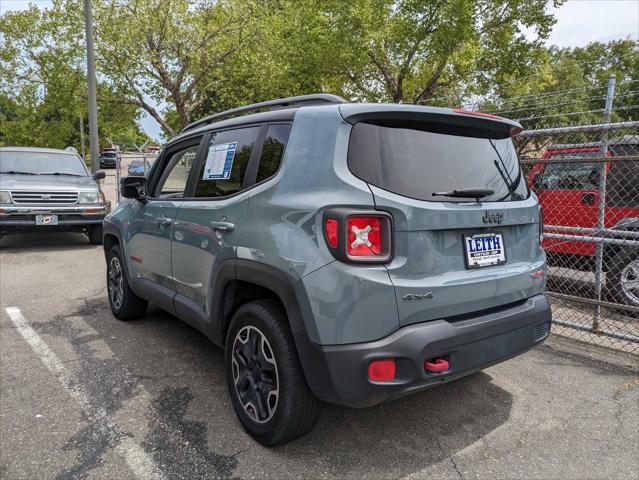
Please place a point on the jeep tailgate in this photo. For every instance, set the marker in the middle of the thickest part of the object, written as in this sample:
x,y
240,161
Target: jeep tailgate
x,y
452,255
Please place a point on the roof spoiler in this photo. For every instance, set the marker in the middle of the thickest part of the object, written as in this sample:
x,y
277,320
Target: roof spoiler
x,y
432,119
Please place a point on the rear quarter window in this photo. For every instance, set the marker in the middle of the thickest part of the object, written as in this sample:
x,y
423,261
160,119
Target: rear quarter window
x,y
272,151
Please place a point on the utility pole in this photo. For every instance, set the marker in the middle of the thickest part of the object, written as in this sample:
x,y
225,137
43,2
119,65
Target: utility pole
x,y
94,146
82,148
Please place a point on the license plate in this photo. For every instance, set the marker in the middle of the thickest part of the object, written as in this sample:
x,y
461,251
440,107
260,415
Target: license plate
x,y
484,250
46,219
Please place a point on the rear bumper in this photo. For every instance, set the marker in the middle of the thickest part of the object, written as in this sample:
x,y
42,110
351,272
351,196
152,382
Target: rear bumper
x,y
340,372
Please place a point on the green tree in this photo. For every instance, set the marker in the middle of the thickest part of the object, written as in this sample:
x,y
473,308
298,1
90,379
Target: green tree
x,y
159,52
425,51
43,84
440,51
570,86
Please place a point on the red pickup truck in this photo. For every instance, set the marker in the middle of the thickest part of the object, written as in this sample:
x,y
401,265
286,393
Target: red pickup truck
x,y
569,196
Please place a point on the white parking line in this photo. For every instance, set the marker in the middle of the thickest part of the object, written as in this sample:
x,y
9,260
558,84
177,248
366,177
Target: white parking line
x,y
139,462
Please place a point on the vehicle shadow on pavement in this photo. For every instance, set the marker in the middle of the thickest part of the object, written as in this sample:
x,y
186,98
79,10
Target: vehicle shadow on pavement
x,y
409,434
44,242
184,373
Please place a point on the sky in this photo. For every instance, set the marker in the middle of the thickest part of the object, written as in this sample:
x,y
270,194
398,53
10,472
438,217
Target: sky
x,y
579,22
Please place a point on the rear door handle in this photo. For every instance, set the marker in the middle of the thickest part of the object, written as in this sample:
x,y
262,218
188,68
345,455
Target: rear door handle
x,y
222,226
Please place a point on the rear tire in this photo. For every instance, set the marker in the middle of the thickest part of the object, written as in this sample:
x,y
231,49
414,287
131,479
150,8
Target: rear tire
x,y
95,235
125,304
264,376
623,272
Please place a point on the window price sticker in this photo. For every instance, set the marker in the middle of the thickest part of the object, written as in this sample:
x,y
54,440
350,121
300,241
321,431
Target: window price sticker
x,y
219,161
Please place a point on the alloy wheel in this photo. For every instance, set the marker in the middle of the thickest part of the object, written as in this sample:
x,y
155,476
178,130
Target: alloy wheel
x,y
630,281
255,374
116,289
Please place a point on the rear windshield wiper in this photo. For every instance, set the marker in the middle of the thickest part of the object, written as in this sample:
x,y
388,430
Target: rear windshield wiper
x,y
511,184
466,193
17,172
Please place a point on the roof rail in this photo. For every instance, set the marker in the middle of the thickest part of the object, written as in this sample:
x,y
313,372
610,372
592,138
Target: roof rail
x,y
288,102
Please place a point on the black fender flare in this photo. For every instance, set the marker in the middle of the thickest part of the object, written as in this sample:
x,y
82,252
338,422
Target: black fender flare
x,y
291,293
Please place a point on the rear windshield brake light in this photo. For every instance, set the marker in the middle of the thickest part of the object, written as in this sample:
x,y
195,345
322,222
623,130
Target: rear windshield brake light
x,y
477,114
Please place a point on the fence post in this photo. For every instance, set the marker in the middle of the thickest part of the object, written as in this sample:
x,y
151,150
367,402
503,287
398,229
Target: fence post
x,y
118,164
602,203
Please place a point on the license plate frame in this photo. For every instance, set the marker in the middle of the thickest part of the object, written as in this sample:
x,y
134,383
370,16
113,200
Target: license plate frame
x,y
46,220
473,258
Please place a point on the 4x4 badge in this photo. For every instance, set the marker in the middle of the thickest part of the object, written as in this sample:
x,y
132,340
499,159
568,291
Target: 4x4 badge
x,y
417,296
493,217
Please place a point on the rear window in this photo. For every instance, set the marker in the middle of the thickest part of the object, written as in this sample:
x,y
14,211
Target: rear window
x,y
417,163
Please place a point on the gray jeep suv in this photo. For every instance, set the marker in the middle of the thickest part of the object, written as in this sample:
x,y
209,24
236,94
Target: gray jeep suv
x,y
338,252
46,189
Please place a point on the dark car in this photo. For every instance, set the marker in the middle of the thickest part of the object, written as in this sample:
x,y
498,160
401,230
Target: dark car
x,y
108,159
139,167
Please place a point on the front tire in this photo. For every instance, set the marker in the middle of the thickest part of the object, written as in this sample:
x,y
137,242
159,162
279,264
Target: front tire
x,y
95,235
624,275
125,304
264,376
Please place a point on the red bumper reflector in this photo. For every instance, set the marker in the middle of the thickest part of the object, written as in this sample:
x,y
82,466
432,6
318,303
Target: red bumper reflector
x,y
382,370
436,365
538,274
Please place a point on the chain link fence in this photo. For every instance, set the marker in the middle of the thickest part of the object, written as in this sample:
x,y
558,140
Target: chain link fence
x,y
127,163
587,181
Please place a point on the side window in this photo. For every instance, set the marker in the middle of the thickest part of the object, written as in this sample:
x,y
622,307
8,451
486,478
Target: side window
x,y
225,164
272,151
570,176
173,183
622,186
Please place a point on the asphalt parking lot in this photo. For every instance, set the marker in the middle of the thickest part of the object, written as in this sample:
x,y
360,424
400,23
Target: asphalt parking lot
x,y
86,396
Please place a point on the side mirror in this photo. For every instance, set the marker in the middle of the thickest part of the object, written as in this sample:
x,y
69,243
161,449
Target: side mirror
x,y
536,181
133,187
98,175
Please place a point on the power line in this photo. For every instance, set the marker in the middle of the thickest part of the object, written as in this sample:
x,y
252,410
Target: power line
x,y
561,92
616,109
589,99
552,94
547,105
542,73
628,107
561,114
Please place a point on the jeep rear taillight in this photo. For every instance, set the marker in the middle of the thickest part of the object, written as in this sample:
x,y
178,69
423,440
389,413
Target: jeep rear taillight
x,y
364,237
358,236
